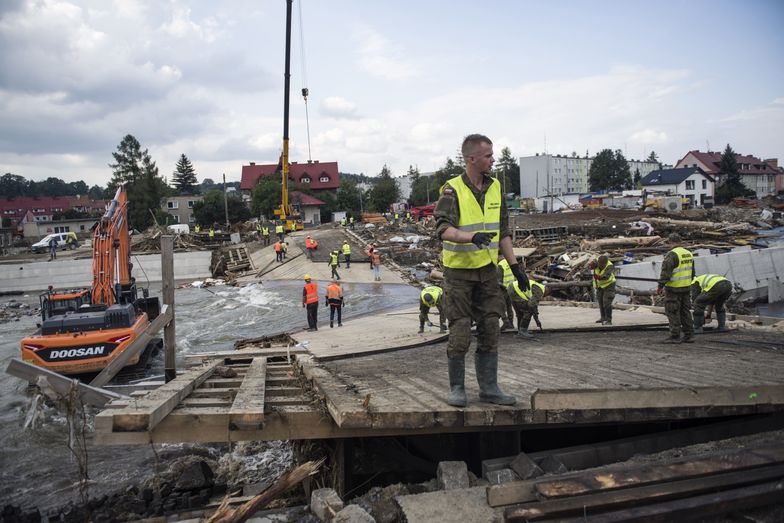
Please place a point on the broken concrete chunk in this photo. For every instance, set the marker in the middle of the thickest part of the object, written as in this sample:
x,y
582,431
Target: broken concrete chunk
x,y
553,465
452,475
353,514
496,477
325,503
525,467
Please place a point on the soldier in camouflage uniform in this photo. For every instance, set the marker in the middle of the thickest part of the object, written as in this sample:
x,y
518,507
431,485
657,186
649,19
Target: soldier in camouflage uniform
x,y
473,224
675,279
714,290
604,283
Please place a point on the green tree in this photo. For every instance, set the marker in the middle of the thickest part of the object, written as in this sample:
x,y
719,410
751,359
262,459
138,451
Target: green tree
x,y
508,171
184,176
50,187
70,214
348,197
384,192
733,185
211,209
637,179
609,172
130,162
96,192
12,186
207,184
78,188
265,197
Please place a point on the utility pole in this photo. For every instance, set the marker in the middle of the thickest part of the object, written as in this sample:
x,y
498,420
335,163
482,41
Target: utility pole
x,y
225,201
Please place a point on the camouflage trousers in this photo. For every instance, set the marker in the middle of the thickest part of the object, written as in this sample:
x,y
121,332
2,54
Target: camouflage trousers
x,y
604,298
677,306
717,296
467,300
423,314
507,311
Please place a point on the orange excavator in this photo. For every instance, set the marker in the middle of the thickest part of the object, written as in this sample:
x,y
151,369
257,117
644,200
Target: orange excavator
x,y
83,330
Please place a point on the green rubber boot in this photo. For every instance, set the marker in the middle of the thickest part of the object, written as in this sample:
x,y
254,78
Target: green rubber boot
x,y
699,321
457,395
487,376
722,319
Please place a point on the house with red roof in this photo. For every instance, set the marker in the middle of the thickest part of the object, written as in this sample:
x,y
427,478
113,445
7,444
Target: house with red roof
x,y
764,177
309,207
319,176
42,209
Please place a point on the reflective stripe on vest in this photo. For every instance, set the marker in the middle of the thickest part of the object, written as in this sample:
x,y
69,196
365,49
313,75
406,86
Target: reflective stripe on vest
x,y
707,281
508,276
333,259
334,292
681,275
311,293
346,249
604,283
529,293
474,219
434,291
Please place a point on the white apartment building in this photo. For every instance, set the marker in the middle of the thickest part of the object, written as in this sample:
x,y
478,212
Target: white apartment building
x,y
547,174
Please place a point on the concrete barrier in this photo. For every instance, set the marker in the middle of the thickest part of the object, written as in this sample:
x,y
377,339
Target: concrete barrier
x,y
67,274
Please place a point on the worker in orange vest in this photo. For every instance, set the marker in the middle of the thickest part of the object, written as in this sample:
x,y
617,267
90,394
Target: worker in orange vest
x,y
370,252
376,265
310,246
310,301
278,251
335,302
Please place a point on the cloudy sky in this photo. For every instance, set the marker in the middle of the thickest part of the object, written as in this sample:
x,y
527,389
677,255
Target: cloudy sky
x,y
397,82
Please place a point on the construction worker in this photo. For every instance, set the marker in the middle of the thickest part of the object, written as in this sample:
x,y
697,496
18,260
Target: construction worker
x,y
279,230
370,252
278,251
526,305
334,263
293,226
351,222
284,247
713,290
397,217
408,216
675,279
604,283
265,234
309,247
52,248
211,233
310,301
335,302
376,262
197,228
343,221
347,253
473,225
258,230
505,277
428,298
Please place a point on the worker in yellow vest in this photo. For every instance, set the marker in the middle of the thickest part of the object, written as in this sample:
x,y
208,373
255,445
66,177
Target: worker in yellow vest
x,y
211,233
347,253
279,230
431,297
197,228
505,277
334,263
472,223
351,222
265,234
335,303
604,283
343,221
293,226
714,291
675,279
526,305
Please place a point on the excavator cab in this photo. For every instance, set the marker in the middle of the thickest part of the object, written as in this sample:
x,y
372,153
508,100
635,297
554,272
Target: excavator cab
x,y
60,303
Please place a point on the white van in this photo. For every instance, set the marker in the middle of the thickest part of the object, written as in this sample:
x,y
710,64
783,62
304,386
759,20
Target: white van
x,y
62,242
179,228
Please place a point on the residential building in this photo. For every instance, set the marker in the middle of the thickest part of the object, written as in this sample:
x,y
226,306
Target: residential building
x,y
38,229
16,212
547,174
688,182
319,176
309,207
181,207
764,177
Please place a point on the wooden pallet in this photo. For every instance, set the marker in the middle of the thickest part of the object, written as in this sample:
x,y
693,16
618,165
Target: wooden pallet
x,y
238,259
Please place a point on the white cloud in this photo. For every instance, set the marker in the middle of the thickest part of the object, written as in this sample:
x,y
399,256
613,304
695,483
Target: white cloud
x,y
649,136
338,107
380,57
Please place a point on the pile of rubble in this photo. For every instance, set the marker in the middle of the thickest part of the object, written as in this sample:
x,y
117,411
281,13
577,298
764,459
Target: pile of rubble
x,y
13,310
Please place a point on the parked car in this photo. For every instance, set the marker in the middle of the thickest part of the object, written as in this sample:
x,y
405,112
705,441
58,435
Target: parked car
x,y
65,240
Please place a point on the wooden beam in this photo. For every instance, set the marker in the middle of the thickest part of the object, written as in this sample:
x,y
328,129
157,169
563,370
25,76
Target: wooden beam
x,y
591,504
88,394
134,348
247,411
147,412
167,292
602,399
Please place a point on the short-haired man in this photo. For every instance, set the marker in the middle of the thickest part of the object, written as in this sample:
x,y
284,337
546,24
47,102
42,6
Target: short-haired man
x,y
473,226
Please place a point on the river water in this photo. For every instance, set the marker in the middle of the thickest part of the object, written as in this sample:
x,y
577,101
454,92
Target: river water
x,y
36,467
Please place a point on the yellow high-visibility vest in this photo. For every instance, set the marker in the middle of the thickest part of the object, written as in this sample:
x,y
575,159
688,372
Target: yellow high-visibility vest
x,y
265,231
526,295
346,249
333,259
599,272
278,229
681,275
474,219
434,291
508,276
707,281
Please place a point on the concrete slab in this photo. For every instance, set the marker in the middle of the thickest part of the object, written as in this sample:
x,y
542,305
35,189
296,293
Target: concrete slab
x,y
449,506
71,273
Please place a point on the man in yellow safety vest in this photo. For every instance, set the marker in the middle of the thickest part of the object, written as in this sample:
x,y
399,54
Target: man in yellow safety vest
x,y
428,298
604,282
710,290
675,279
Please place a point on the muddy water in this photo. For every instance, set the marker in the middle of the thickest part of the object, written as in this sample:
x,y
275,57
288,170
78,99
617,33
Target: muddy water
x,y
36,468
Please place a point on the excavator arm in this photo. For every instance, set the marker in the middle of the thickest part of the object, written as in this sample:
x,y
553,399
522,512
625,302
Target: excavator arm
x,y
111,253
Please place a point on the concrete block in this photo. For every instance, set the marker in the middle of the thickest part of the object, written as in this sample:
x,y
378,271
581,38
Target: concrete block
x,y
553,465
453,475
496,477
525,467
353,514
448,506
325,503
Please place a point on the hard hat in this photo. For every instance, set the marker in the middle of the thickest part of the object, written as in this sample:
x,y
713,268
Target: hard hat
x,y
307,277
308,235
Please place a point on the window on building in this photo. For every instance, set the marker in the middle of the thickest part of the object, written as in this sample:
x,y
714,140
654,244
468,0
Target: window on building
x,y
172,205
190,204
704,184
689,185
81,227
64,228
191,218
324,179
305,179
176,218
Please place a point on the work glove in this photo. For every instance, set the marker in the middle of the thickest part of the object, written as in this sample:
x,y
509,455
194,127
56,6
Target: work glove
x,y
482,239
522,279
303,305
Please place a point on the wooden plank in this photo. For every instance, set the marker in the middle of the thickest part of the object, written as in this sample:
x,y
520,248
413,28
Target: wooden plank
x,y
247,411
704,507
117,364
146,413
190,402
587,505
167,293
88,394
647,474
585,399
